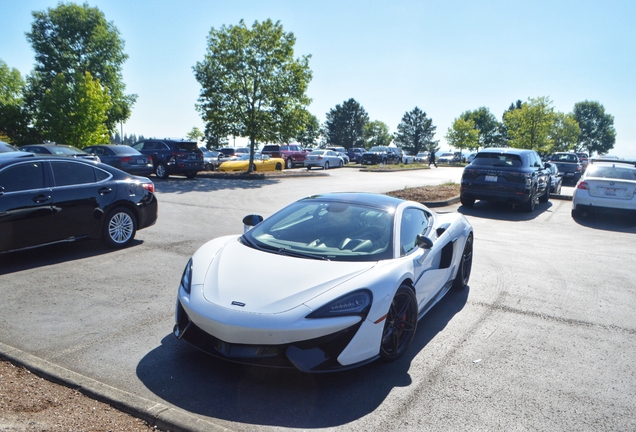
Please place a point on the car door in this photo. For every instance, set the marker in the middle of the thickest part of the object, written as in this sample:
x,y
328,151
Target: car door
x,y
431,267
25,206
80,193
542,173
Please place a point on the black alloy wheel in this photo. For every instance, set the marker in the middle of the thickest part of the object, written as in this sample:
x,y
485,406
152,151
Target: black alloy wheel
x,y
279,167
465,265
400,324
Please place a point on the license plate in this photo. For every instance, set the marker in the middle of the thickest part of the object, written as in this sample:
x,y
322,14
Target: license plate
x,y
491,178
141,161
610,192
192,157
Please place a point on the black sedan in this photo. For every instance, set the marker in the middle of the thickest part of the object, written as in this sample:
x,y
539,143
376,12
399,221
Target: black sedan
x,y
49,199
123,157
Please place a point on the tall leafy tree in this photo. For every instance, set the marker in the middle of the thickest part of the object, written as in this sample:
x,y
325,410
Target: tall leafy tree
x,y
463,135
14,118
376,133
310,132
565,133
530,126
74,111
71,39
487,126
344,126
597,127
251,84
195,134
503,130
415,132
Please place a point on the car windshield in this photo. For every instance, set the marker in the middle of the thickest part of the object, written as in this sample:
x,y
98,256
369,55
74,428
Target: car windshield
x,y
337,231
318,152
187,146
124,150
377,149
611,172
66,150
498,160
564,158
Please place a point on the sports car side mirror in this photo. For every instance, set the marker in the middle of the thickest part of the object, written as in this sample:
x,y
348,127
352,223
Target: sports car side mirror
x,y
252,220
424,242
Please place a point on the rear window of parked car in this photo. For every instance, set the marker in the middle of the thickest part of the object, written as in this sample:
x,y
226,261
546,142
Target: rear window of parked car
x,y
497,160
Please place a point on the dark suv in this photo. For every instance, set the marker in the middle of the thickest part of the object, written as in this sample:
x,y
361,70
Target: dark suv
x,y
293,154
172,156
506,174
381,155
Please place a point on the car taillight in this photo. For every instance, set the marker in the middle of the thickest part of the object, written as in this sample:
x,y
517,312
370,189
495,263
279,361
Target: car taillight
x,y
126,159
583,185
150,186
180,155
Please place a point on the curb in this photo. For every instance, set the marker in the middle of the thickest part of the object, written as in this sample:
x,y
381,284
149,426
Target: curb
x,y
455,200
158,415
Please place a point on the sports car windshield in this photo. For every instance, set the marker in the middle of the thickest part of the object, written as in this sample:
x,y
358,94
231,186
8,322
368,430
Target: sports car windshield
x,y
338,231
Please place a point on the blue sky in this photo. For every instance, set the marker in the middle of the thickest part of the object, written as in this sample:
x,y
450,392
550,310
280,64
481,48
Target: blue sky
x,y
444,57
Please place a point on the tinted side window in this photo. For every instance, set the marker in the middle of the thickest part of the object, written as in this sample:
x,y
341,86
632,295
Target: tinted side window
x,y
414,222
22,177
69,173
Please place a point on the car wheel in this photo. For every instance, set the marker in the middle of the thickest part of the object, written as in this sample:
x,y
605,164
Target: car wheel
x,y
289,164
326,166
340,164
530,204
119,228
279,167
465,265
161,170
466,201
400,324
253,167
546,196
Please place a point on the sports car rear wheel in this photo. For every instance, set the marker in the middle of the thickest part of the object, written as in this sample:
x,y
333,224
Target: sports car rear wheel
x,y
465,265
400,324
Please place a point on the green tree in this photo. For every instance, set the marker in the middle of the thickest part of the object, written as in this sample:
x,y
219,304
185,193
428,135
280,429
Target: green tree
x,y
597,127
71,39
74,111
251,85
376,133
195,134
463,135
503,130
14,118
565,133
344,126
310,132
487,126
415,132
530,126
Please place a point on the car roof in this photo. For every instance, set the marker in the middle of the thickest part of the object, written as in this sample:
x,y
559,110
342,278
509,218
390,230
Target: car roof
x,y
500,150
371,199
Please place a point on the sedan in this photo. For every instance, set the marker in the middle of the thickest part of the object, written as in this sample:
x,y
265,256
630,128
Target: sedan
x,y
123,157
58,150
365,268
324,159
605,185
261,163
49,199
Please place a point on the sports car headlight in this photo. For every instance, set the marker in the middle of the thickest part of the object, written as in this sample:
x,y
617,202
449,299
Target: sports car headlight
x,y
355,303
186,278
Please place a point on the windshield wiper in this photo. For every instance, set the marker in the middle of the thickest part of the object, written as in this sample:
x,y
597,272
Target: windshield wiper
x,y
288,252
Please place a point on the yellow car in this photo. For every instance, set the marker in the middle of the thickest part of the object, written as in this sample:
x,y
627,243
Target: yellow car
x,y
261,163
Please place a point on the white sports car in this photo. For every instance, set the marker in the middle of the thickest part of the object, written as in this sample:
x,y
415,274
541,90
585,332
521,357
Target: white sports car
x,y
329,282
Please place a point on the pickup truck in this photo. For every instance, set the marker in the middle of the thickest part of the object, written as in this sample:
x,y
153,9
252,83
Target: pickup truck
x,y
569,166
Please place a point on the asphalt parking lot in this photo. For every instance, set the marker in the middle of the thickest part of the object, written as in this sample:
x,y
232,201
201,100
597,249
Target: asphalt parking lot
x,y
543,339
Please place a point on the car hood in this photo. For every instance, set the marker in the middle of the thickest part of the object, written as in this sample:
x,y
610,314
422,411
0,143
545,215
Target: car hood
x,y
268,283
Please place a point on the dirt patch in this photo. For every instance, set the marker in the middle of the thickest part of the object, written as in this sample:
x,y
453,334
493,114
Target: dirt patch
x,y
425,194
28,402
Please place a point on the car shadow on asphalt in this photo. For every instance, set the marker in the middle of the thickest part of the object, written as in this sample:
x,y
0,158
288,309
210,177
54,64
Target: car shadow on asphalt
x,y
196,382
503,211
624,222
54,254
180,185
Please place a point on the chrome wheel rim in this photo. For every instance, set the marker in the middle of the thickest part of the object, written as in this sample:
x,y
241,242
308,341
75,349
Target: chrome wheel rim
x,y
120,228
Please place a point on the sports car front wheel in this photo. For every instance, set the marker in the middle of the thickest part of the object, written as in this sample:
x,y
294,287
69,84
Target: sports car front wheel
x,y
400,325
465,265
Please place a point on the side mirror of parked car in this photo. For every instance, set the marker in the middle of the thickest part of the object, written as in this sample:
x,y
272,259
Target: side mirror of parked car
x,y
424,242
251,221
